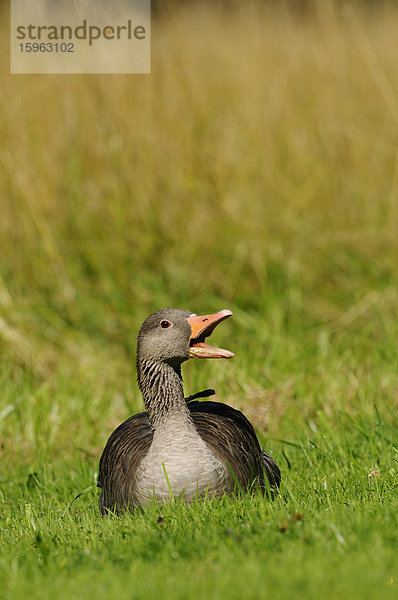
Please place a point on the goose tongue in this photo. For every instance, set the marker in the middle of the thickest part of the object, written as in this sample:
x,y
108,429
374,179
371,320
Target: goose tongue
x,y
202,327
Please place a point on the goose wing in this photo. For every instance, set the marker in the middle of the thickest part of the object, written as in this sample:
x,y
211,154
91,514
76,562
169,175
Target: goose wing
x,y
125,449
232,439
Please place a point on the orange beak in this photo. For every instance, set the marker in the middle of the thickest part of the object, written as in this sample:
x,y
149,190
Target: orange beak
x,y
202,327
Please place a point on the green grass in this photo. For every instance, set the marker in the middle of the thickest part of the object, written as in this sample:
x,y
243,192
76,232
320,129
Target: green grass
x,y
255,169
332,532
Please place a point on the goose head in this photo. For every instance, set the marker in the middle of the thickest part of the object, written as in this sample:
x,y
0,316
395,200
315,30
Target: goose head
x,y
172,336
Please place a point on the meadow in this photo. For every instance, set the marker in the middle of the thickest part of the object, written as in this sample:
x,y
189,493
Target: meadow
x,y
255,169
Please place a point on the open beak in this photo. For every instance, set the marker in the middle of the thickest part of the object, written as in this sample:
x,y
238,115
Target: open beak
x,y
202,327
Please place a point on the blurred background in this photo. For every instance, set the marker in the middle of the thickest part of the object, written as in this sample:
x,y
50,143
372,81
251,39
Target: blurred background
x,y
255,169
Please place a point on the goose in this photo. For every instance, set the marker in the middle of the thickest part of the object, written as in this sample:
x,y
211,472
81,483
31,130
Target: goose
x,y
180,446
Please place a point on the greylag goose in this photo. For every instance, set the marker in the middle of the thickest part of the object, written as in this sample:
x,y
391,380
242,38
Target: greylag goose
x,y
179,447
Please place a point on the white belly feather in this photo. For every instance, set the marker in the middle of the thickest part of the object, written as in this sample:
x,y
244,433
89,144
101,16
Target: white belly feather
x,y
191,467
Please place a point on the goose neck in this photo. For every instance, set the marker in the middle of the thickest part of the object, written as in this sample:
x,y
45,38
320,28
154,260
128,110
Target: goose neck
x,y
162,391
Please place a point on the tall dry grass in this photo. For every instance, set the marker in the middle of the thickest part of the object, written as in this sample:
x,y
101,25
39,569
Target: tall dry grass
x,y
255,168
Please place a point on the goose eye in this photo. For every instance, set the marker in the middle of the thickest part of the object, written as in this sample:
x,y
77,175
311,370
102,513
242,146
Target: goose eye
x,y
165,324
